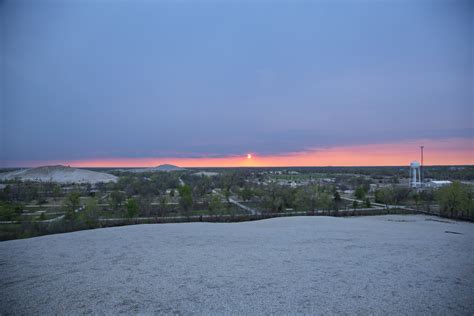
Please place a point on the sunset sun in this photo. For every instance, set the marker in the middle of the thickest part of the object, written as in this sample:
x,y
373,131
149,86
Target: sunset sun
x,y
249,156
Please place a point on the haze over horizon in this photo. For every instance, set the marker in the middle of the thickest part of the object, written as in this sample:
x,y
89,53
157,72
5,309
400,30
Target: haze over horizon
x,y
125,84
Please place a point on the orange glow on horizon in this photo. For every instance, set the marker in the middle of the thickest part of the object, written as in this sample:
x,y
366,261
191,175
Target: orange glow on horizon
x,y
457,151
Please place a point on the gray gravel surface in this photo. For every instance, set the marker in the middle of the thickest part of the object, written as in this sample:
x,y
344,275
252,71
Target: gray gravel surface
x,y
313,265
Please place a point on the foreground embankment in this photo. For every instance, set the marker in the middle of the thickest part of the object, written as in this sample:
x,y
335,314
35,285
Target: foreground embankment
x,y
16,229
395,264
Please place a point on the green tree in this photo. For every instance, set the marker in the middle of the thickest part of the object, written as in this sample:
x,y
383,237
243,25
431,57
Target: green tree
x,y
185,199
144,205
71,204
116,199
324,201
163,205
227,197
455,200
384,195
416,198
427,197
355,205
400,194
89,214
202,186
215,205
272,200
56,191
306,199
359,193
227,194
10,211
246,193
336,201
367,203
132,207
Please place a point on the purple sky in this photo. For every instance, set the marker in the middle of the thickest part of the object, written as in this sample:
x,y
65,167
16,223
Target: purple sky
x,y
105,79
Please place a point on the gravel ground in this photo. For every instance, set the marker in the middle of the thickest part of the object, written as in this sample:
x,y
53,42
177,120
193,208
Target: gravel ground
x,y
314,265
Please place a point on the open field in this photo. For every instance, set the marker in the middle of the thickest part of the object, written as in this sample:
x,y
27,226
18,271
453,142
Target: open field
x,y
411,264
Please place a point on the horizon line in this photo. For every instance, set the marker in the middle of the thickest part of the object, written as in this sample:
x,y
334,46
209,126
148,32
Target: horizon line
x,y
239,167
446,152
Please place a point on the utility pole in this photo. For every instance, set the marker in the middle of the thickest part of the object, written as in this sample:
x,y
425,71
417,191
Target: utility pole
x,y
421,166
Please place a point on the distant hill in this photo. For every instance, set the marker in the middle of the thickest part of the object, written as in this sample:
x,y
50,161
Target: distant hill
x,y
167,167
60,174
160,168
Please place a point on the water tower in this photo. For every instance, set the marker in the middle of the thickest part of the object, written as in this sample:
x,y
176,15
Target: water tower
x,y
415,174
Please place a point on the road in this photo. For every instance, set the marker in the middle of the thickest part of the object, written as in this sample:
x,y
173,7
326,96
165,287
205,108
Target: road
x,y
379,204
80,208
244,207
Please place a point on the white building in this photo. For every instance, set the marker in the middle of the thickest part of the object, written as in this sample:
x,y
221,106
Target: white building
x,y
438,183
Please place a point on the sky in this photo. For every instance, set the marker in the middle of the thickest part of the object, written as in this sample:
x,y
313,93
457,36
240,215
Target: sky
x,y
204,83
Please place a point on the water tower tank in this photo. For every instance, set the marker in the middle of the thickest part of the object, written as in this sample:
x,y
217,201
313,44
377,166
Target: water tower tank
x,y
414,164
415,175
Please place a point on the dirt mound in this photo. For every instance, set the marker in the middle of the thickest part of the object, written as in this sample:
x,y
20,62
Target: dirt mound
x,y
60,174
